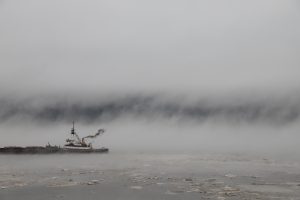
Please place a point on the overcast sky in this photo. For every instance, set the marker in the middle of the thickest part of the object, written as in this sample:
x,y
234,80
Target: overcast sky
x,y
58,45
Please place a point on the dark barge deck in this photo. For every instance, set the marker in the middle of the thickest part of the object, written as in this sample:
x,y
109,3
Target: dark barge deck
x,y
47,150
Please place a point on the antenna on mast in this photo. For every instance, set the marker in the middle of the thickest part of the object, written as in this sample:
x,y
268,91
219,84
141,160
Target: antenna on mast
x,y
73,129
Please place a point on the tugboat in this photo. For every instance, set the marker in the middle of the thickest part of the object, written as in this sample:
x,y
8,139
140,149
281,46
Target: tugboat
x,y
80,145
75,144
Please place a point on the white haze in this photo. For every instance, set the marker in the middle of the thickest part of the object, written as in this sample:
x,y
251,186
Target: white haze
x,y
64,45
160,135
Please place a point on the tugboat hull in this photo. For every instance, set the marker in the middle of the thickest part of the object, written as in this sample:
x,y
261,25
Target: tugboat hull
x,y
85,150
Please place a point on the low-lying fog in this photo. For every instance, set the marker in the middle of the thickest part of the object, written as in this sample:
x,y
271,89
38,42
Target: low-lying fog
x,y
159,123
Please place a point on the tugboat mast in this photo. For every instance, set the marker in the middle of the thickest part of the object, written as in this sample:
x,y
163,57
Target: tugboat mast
x,y
74,134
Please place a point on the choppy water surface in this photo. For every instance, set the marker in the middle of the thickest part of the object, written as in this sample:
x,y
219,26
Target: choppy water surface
x,y
189,176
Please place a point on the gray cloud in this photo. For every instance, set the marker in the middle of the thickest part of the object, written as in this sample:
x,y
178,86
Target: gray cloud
x,y
251,110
